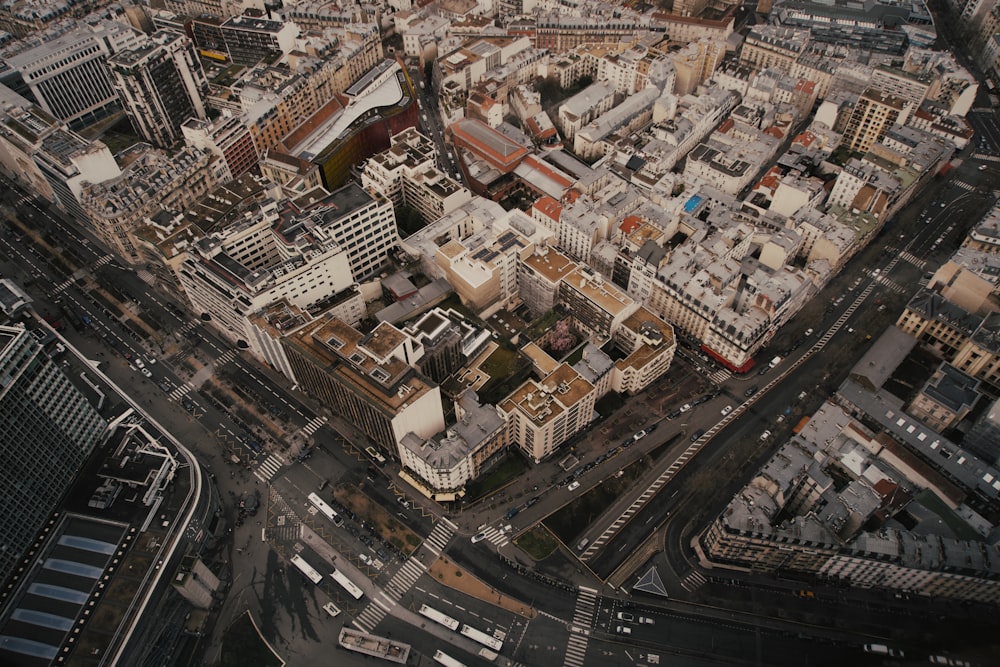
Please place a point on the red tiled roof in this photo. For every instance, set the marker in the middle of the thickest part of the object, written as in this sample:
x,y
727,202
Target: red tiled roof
x,y
548,207
630,224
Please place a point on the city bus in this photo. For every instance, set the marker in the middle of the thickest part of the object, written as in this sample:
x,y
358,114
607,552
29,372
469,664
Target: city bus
x,y
347,584
306,569
443,658
436,616
481,637
325,509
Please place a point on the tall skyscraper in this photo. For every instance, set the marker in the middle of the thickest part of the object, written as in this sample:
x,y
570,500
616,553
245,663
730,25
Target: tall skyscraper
x,y
160,85
49,429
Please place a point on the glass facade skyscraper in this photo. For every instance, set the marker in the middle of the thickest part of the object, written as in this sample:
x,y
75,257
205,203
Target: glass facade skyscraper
x,y
48,428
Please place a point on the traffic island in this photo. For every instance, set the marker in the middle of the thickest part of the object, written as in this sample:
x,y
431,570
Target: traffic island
x,y
458,578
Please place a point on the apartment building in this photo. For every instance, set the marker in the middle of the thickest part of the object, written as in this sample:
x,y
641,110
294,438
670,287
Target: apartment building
x,y
243,40
442,465
543,414
160,85
649,344
39,151
226,137
260,259
874,113
117,208
407,174
360,222
579,110
795,520
601,24
482,268
773,46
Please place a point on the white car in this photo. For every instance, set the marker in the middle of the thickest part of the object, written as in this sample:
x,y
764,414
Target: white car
x,y
726,410
685,407
765,435
146,372
138,363
625,616
478,537
573,486
365,558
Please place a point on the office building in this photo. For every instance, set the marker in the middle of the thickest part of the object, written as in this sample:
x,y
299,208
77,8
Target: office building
x,y
49,427
68,76
368,379
243,40
160,85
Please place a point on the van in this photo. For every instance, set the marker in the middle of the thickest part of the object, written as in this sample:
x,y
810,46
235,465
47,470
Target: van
x,y
582,544
331,609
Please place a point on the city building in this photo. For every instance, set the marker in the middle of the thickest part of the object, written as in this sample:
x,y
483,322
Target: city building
x,y
773,46
39,152
543,414
442,465
348,130
368,379
117,208
68,75
874,114
50,429
406,172
360,221
230,139
243,40
160,85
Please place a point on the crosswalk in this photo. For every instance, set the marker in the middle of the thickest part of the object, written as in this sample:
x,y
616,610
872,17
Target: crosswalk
x,y
226,357
146,277
891,285
965,186
693,581
912,259
496,536
404,579
583,619
314,424
266,470
720,376
102,260
180,392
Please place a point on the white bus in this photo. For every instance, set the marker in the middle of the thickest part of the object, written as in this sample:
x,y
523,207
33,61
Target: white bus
x,y
306,569
348,585
481,637
436,616
325,509
443,658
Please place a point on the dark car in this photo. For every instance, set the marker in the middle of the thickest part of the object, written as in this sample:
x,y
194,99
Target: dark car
x,y
697,434
751,391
